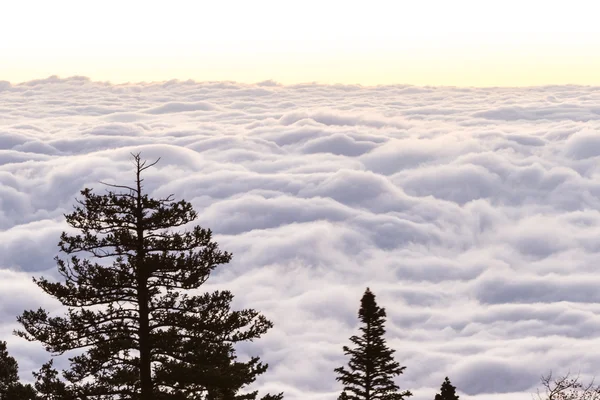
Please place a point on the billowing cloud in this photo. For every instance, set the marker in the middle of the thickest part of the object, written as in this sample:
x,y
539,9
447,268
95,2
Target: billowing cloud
x,y
473,214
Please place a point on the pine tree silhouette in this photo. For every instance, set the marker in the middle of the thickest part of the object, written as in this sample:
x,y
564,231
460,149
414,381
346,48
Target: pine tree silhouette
x,y
371,366
144,336
10,387
447,391
49,386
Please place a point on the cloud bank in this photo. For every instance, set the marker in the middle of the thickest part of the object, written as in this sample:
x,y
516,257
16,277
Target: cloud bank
x,y
473,215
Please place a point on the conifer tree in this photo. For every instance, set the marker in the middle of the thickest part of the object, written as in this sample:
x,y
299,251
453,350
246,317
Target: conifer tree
x,y
10,387
371,366
142,334
447,391
48,386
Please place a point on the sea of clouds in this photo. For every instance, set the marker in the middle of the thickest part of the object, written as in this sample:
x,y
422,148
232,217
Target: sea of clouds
x,y
472,214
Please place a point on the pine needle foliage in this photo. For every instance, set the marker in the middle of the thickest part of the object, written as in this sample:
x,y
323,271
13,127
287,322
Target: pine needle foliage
x,y
49,386
10,386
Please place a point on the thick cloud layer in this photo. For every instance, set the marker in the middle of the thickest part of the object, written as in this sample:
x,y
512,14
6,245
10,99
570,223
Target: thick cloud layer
x,y
473,214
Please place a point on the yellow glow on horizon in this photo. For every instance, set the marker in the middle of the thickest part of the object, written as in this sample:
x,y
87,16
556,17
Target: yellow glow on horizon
x,y
430,42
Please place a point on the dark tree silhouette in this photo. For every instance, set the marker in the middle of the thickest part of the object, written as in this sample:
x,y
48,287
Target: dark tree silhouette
x,y
141,333
568,387
447,391
371,366
49,386
10,387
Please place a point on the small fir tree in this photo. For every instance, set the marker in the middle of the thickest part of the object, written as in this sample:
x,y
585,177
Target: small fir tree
x,y
447,391
371,367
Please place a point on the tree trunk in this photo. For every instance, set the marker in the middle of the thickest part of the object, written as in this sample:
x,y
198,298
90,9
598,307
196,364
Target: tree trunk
x,y
142,297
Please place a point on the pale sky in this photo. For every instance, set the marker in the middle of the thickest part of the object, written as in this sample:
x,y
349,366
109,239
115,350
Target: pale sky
x,y
425,42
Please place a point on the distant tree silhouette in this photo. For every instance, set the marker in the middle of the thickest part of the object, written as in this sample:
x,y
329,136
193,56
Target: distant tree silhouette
x,y
568,387
447,391
143,335
371,366
10,387
49,386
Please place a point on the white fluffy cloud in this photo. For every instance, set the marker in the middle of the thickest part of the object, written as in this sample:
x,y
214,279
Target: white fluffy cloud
x,y
473,214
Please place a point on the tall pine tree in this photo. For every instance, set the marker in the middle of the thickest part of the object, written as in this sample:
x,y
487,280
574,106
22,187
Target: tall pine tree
x,y
447,391
142,334
371,366
10,387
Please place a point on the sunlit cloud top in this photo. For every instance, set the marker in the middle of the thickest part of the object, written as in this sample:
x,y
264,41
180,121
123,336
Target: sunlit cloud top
x,y
472,43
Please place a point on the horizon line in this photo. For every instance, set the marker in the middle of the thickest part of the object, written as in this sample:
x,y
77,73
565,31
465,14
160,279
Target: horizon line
x,y
275,83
